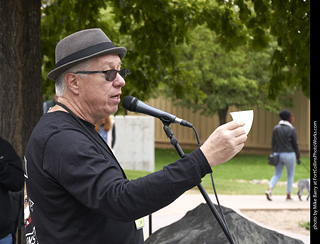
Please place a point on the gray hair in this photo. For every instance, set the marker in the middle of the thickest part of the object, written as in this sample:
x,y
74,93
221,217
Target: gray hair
x,y
60,84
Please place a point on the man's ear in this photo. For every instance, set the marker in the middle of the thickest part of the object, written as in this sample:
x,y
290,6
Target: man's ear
x,y
72,82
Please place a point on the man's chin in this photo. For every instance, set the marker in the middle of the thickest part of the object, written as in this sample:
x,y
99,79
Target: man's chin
x,y
112,110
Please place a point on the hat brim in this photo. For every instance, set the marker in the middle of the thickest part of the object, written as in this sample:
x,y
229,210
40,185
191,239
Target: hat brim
x,y
54,74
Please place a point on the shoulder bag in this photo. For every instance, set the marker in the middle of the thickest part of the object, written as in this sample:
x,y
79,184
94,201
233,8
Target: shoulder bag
x,y
273,159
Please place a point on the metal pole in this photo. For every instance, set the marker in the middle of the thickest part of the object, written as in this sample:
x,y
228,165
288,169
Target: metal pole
x,y
175,143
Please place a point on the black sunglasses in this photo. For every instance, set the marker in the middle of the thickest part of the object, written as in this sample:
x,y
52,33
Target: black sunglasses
x,y
110,74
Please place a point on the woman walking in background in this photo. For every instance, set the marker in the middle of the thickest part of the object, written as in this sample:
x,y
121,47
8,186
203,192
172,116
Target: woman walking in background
x,y
285,144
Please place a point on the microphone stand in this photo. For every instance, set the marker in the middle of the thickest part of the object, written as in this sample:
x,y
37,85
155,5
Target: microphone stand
x,y
175,143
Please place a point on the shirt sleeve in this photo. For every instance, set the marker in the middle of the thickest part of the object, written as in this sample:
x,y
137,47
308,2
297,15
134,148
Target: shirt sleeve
x,y
295,143
96,180
273,141
11,173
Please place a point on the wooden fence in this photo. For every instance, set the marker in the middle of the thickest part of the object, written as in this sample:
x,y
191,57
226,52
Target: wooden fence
x,y
259,138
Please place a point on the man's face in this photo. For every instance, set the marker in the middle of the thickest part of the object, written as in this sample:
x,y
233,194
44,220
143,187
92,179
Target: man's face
x,y
99,97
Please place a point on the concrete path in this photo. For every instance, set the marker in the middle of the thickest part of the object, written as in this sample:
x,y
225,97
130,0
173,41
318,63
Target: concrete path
x,y
192,199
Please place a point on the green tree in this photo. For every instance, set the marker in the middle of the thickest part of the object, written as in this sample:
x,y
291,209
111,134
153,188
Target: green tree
x,y
212,79
242,22
151,30
61,18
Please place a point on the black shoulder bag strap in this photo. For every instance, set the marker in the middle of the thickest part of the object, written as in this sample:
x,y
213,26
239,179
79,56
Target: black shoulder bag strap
x,y
94,137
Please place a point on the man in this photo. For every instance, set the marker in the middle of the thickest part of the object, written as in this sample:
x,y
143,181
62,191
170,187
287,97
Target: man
x,y
78,190
285,144
11,179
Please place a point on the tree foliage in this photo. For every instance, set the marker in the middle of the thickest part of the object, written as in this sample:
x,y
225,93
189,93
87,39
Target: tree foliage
x,y
212,79
289,23
61,18
255,23
152,30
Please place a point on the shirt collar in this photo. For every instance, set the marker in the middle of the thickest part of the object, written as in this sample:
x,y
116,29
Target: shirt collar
x,y
284,122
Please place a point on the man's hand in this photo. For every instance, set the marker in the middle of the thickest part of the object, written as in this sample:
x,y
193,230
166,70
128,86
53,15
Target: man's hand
x,y
224,143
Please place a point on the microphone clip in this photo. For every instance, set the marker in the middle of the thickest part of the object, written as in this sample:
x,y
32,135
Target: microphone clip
x,y
174,141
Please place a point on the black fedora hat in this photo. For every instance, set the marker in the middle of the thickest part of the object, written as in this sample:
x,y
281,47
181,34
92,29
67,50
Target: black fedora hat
x,y
81,46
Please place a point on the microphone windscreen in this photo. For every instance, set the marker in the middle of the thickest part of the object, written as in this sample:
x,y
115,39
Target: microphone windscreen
x,y
130,103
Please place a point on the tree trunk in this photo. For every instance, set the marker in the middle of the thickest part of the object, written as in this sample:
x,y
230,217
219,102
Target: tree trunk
x,y
223,115
20,75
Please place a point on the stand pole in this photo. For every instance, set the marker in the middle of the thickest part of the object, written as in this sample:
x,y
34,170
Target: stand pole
x,y
150,224
175,143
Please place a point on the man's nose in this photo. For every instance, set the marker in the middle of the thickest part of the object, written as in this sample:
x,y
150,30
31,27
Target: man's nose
x,y
119,81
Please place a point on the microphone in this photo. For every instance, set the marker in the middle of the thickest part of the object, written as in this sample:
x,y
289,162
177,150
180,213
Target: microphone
x,y
133,104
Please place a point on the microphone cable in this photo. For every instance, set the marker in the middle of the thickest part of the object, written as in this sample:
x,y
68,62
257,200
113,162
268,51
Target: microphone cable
x,y
214,189
135,105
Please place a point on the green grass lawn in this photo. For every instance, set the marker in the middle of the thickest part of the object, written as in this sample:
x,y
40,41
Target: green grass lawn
x,y
235,176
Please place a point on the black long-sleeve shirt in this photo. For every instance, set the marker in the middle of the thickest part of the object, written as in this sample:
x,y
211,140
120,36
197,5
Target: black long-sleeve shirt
x,y
79,192
11,179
